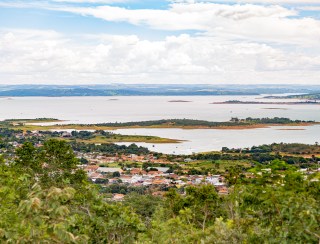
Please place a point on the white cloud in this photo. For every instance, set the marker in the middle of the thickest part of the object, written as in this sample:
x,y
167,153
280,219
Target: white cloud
x,y
251,22
268,24
183,16
310,8
251,1
93,1
235,44
28,56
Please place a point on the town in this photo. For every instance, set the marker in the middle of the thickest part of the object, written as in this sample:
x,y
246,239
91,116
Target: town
x,y
155,179
119,170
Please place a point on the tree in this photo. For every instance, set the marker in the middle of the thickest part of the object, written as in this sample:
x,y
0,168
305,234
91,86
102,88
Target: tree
x,y
49,214
53,164
144,205
28,159
203,201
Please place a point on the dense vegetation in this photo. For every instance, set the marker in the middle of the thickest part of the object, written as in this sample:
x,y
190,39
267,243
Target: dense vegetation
x,y
204,123
45,198
109,149
310,96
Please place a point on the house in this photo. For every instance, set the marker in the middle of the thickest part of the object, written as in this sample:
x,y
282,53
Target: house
x,y
160,182
118,197
66,134
126,178
214,180
153,173
19,136
188,160
222,190
136,171
179,182
198,179
133,156
91,168
158,193
173,176
136,179
110,159
113,180
147,182
95,176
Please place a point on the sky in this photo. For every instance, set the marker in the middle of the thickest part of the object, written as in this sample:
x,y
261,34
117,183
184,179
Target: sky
x,y
167,41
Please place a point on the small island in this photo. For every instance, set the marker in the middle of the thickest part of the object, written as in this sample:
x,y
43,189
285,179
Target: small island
x,y
179,101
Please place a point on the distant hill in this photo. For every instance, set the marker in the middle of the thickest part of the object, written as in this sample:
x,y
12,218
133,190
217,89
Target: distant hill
x,y
149,90
68,92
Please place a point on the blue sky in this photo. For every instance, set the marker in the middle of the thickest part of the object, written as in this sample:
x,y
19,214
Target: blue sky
x,y
183,41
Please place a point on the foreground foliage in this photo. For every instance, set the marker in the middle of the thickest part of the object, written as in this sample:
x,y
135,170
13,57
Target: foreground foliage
x,y
45,198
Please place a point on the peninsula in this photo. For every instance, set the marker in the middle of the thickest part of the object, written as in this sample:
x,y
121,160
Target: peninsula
x,y
233,123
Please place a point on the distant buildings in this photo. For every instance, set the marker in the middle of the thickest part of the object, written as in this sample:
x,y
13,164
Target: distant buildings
x,y
154,177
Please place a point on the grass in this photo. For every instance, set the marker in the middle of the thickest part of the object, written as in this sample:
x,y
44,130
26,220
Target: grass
x,y
30,125
220,165
129,138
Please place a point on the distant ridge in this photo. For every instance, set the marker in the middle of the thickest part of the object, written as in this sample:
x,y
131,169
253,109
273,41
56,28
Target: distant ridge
x,y
149,90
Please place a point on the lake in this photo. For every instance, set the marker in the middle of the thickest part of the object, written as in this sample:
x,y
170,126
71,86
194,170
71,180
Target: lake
x,y
121,109
112,109
205,140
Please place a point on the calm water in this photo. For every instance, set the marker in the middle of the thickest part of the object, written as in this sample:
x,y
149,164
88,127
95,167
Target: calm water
x,y
204,140
106,109
103,109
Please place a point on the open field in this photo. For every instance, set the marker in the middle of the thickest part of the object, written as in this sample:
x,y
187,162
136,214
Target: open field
x,y
129,138
220,165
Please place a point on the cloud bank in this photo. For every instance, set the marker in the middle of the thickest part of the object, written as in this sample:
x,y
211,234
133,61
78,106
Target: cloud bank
x,y
241,43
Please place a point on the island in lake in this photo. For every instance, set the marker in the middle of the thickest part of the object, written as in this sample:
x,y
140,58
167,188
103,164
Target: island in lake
x,y
233,123
310,96
269,103
179,101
